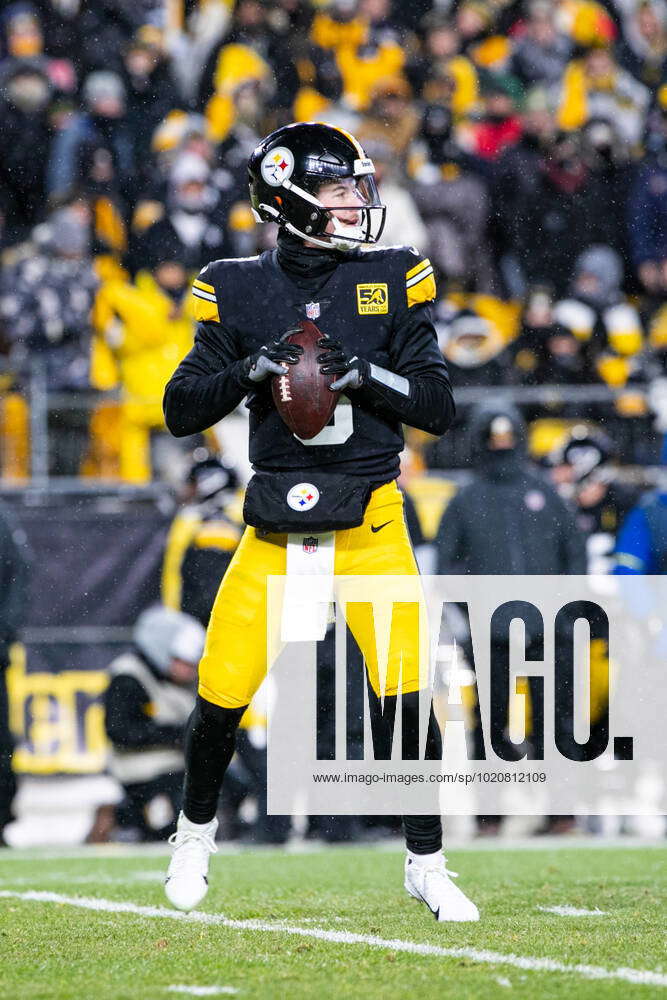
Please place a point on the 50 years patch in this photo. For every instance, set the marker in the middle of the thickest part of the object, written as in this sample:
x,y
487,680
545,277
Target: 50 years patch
x,y
372,299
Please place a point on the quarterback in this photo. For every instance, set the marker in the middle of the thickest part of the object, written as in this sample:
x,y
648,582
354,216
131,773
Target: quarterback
x,y
317,184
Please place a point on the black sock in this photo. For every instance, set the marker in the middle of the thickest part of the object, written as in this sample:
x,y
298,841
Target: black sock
x,y
423,834
209,747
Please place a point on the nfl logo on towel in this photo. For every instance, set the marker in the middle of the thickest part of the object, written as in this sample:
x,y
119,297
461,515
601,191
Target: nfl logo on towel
x,y
313,310
310,544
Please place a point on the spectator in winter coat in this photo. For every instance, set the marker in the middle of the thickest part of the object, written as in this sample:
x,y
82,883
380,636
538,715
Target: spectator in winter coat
x,y
546,350
391,116
148,326
597,87
508,518
251,49
367,46
442,59
516,178
45,307
453,200
596,310
541,53
500,125
647,212
560,216
26,136
643,51
61,28
201,222
94,152
610,176
105,27
150,91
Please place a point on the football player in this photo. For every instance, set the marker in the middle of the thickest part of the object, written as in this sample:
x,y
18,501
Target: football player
x,y
315,181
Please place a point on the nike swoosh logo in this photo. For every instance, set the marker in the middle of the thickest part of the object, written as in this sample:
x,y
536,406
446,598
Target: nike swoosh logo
x,y
377,527
436,913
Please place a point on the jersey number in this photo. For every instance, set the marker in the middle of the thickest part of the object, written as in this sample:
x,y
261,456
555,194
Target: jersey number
x,y
339,431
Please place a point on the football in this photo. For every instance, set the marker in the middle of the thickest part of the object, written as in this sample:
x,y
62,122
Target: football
x,y
302,396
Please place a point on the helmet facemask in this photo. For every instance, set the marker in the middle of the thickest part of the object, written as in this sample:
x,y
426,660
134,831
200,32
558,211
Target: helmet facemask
x,y
348,211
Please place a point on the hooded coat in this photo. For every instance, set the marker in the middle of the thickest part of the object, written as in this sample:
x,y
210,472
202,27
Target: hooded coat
x,y
508,519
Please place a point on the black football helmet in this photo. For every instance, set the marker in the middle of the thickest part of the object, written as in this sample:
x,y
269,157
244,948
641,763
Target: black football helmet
x,y
208,476
288,168
588,451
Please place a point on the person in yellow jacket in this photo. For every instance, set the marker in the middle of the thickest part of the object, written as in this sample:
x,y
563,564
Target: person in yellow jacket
x,y
147,325
366,46
597,87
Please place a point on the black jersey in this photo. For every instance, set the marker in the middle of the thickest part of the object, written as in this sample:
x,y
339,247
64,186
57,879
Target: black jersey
x,y
375,303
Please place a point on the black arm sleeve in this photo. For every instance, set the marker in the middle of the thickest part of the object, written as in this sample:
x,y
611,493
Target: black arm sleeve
x,y
127,725
208,383
415,355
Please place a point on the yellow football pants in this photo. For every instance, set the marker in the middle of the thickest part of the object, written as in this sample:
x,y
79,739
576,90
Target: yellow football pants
x,y
235,657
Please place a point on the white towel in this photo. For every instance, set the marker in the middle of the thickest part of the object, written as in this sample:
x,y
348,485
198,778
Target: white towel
x,y
309,587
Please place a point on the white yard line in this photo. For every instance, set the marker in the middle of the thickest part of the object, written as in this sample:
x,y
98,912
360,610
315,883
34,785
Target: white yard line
x,y
202,991
100,879
572,911
637,977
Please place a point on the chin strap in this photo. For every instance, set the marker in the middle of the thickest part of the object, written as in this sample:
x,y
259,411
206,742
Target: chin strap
x,y
343,237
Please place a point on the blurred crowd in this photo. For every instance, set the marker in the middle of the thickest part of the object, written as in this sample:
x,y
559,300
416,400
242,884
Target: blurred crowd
x,y
521,144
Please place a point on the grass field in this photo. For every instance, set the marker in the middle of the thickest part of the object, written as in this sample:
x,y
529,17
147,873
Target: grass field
x,y
94,925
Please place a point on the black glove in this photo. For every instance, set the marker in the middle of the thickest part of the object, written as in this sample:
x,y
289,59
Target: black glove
x,y
334,361
271,359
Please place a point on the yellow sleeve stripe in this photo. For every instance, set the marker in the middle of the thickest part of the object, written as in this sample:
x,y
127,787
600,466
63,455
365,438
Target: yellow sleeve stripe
x,y
206,312
202,286
421,266
422,289
201,294
419,277
206,302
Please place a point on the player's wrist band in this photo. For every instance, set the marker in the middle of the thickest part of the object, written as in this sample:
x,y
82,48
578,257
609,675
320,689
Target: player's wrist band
x,y
389,379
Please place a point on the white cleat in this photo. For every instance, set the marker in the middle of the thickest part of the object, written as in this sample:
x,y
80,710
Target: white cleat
x,y
427,879
186,883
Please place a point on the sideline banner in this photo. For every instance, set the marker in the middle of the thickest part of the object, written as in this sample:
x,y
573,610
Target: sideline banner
x,y
94,568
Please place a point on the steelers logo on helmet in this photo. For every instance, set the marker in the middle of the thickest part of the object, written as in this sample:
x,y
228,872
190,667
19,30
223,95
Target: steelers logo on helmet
x,y
303,496
277,166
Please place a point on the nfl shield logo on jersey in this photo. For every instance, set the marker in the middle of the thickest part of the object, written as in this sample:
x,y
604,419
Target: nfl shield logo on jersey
x,y
313,310
310,543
